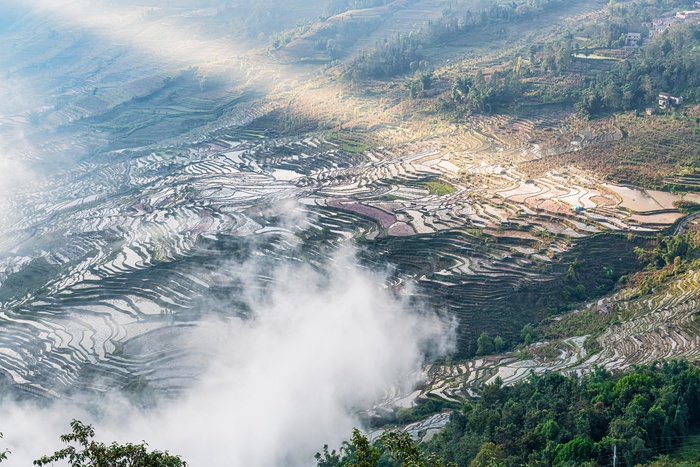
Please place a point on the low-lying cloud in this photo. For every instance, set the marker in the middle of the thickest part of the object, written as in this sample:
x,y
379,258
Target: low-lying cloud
x,y
13,174
321,344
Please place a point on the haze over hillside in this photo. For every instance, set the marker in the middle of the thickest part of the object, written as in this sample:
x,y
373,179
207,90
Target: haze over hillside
x,y
239,229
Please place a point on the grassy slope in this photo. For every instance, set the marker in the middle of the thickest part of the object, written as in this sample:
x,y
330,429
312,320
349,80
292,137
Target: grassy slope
x,y
655,147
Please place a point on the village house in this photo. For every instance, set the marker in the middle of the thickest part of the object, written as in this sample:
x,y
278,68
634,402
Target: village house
x,y
666,100
659,25
633,39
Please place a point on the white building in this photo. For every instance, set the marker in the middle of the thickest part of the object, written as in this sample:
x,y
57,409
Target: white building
x,y
633,39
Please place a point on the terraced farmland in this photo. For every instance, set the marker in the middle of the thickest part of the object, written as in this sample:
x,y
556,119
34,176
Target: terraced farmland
x,y
137,226
159,182
653,327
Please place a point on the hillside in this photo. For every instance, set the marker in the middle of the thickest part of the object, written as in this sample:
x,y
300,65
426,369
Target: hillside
x,y
174,171
483,201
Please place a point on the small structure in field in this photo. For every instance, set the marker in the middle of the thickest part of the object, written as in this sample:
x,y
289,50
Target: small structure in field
x,y
650,110
666,100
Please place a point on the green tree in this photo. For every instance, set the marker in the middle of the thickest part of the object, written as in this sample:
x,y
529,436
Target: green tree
x,y
527,334
532,54
363,453
91,453
402,448
393,445
484,344
328,458
562,57
550,430
499,344
490,455
577,450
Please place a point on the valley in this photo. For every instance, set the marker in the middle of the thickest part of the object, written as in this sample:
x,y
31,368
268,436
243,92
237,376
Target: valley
x,y
160,172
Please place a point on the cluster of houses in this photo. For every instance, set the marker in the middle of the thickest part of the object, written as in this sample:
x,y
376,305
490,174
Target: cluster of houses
x,y
659,25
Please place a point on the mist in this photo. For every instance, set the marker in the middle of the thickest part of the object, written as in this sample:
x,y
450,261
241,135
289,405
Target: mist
x,y
13,174
322,344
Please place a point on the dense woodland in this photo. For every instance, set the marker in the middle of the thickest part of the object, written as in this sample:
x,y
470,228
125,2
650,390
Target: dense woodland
x,y
558,420
670,63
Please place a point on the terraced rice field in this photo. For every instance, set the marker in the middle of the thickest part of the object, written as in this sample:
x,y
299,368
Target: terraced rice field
x,y
129,216
169,183
663,325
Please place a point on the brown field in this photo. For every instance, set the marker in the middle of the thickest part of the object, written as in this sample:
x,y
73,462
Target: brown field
x,y
655,147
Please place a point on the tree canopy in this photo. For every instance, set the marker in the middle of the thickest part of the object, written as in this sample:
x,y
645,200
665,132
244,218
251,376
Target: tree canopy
x,y
555,420
90,453
569,420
